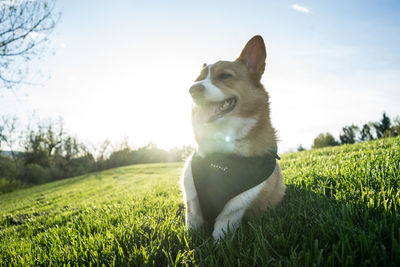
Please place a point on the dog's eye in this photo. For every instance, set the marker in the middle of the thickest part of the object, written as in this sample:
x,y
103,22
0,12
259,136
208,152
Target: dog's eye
x,y
224,76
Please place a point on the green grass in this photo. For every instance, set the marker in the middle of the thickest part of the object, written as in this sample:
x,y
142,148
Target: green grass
x,y
341,208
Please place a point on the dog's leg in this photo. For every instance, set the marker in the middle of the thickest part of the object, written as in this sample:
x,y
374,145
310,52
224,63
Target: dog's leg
x,y
194,218
233,212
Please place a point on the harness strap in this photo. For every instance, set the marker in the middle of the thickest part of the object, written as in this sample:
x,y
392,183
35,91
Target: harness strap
x,y
220,177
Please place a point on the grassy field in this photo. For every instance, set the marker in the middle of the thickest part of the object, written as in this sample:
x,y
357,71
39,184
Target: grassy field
x,y
341,208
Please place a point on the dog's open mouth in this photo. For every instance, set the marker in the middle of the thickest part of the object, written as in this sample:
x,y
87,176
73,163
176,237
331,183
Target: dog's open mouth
x,y
220,109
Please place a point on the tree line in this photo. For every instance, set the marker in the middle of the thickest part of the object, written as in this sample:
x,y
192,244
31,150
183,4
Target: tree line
x,y
45,152
351,134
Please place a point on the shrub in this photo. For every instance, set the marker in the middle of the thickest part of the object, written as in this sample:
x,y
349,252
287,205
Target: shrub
x,y
7,168
323,140
7,185
35,174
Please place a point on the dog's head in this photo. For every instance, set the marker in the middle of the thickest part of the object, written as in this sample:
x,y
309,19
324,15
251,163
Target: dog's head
x,y
230,101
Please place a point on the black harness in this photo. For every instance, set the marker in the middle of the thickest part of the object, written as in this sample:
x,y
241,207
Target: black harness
x,y
220,177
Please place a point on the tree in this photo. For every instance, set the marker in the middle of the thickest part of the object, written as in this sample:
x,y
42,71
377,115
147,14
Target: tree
x,y
53,136
300,148
102,151
44,142
35,150
365,133
382,126
323,140
394,129
121,157
348,136
179,154
1,135
71,148
151,153
24,29
8,135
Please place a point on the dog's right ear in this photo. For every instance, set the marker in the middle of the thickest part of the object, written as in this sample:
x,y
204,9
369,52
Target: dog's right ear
x,y
253,56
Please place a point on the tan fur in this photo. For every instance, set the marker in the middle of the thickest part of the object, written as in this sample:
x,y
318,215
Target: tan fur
x,y
270,195
253,100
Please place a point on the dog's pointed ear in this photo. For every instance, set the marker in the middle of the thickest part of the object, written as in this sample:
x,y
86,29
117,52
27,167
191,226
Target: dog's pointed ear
x,y
253,56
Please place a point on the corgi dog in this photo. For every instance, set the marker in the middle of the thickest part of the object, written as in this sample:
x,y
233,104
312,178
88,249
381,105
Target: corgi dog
x,y
234,172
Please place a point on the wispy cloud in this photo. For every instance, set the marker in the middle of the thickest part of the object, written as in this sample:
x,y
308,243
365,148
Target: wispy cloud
x,y
58,42
300,8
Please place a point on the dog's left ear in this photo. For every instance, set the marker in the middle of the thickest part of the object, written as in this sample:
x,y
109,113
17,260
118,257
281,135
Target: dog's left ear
x,y
253,56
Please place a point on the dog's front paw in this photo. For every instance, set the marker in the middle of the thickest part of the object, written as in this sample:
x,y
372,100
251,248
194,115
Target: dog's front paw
x,y
194,221
221,228
218,234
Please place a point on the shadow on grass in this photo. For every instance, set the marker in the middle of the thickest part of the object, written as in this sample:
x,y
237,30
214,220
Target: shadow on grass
x,y
308,229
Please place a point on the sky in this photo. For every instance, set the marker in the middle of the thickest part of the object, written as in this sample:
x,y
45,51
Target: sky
x,y
122,69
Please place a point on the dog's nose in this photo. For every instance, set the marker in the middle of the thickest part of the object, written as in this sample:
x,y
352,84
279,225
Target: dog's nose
x,y
197,91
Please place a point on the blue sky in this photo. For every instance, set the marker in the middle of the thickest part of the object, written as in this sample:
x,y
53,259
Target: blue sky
x,y
123,68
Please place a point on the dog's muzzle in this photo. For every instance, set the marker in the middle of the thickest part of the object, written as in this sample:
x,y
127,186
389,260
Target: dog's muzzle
x,y
197,92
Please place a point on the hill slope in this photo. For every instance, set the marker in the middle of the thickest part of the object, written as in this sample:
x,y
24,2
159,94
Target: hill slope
x,y
341,207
